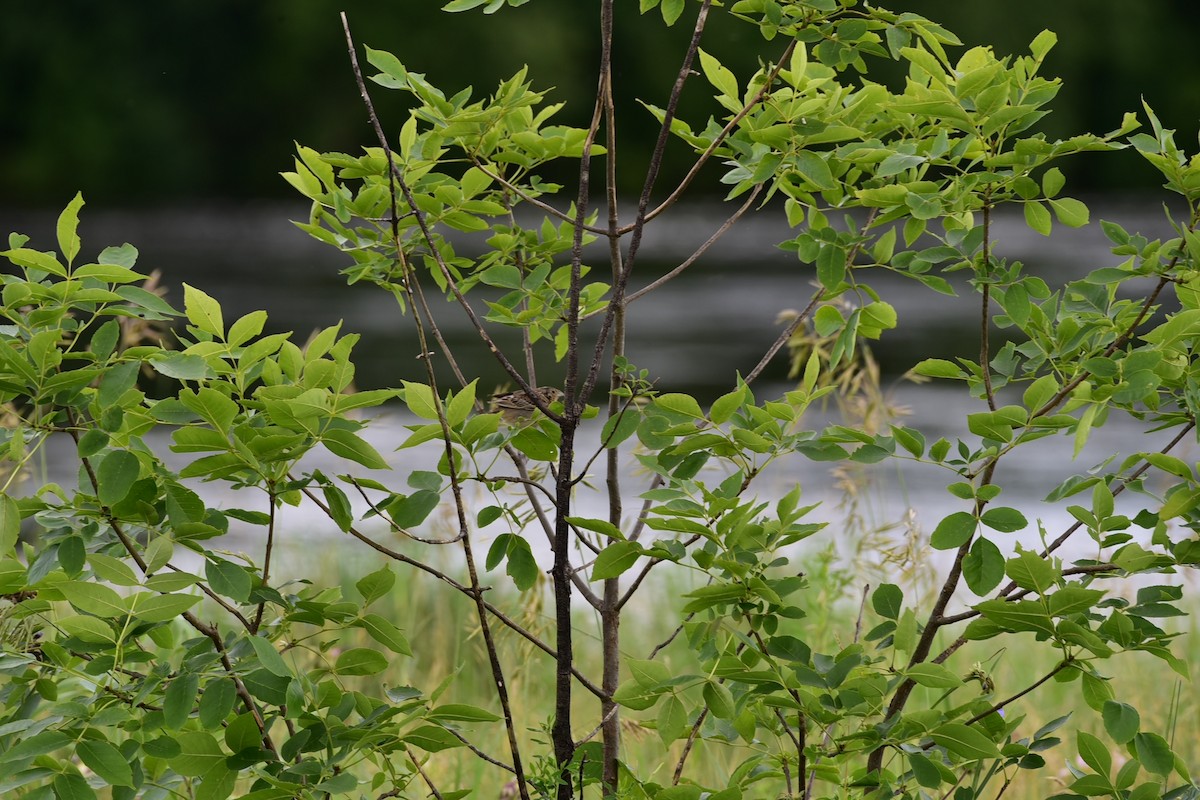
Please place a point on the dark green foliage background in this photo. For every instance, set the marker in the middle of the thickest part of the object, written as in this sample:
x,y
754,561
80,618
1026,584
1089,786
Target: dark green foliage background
x,y
142,103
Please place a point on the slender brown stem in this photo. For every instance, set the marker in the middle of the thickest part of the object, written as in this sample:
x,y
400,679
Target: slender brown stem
x,y
702,249
1061,666
985,317
618,290
499,615
1008,590
750,105
784,337
424,776
266,570
397,181
687,747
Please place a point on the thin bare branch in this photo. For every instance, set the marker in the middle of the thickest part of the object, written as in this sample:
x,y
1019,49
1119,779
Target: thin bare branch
x,y
1059,668
750,105
786,335
702,249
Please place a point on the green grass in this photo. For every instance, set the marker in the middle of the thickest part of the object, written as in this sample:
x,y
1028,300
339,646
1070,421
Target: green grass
x,y
448,647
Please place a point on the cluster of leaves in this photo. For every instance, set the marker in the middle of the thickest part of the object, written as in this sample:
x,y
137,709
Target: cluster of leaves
x,y
140,656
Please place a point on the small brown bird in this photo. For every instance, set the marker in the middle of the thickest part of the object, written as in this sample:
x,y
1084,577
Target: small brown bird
x,y
517,407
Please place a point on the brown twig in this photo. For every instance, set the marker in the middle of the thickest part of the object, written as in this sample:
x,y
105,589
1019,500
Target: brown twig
x,y
1061,666
702,249
397,181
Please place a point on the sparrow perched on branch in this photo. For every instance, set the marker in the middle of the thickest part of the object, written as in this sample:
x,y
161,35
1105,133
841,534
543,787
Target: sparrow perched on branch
x,y
516,407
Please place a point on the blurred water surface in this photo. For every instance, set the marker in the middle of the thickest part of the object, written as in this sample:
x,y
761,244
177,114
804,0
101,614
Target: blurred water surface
x,y
693,335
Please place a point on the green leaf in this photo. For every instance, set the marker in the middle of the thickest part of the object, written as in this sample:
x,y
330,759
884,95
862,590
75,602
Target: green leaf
x,y
887,600
350,446
123,256
360,661
719,700
1053,182
1073,599
672,719
179,699
93,598
924,770
116,475
724,406
939,368
815,170
217,782
1031,571
671,10
33,259
1040,391
983,567
340,510
227,578
72,554
953,531
1070,212
1121,721
615,559
419,399
203,311
1037,217
460,407
411,511
965,741
432,738
1022,615
456,6
68,239
719,76
375,585
683,404
387,634
934,675
619,427
997,425
13,576
648,673
72,786
88,629
180,366
246,328
1094,753
459,712
269,657
534,443
109,273
10,523
105,760
242,733
198,753
1042,44
1092,786
1154,753
216,702
150,607
1003,519
600,526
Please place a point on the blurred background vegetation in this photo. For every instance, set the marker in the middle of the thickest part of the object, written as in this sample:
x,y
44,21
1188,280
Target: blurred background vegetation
x,y
153,103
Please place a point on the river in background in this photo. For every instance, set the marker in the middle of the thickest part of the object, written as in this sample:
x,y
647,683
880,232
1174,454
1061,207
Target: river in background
x,y
692,335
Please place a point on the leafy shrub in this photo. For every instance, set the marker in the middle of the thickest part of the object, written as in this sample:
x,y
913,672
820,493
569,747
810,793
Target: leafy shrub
x,y
141,656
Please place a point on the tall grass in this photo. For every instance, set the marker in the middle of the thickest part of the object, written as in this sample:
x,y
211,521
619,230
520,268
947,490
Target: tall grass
x,y
447,649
